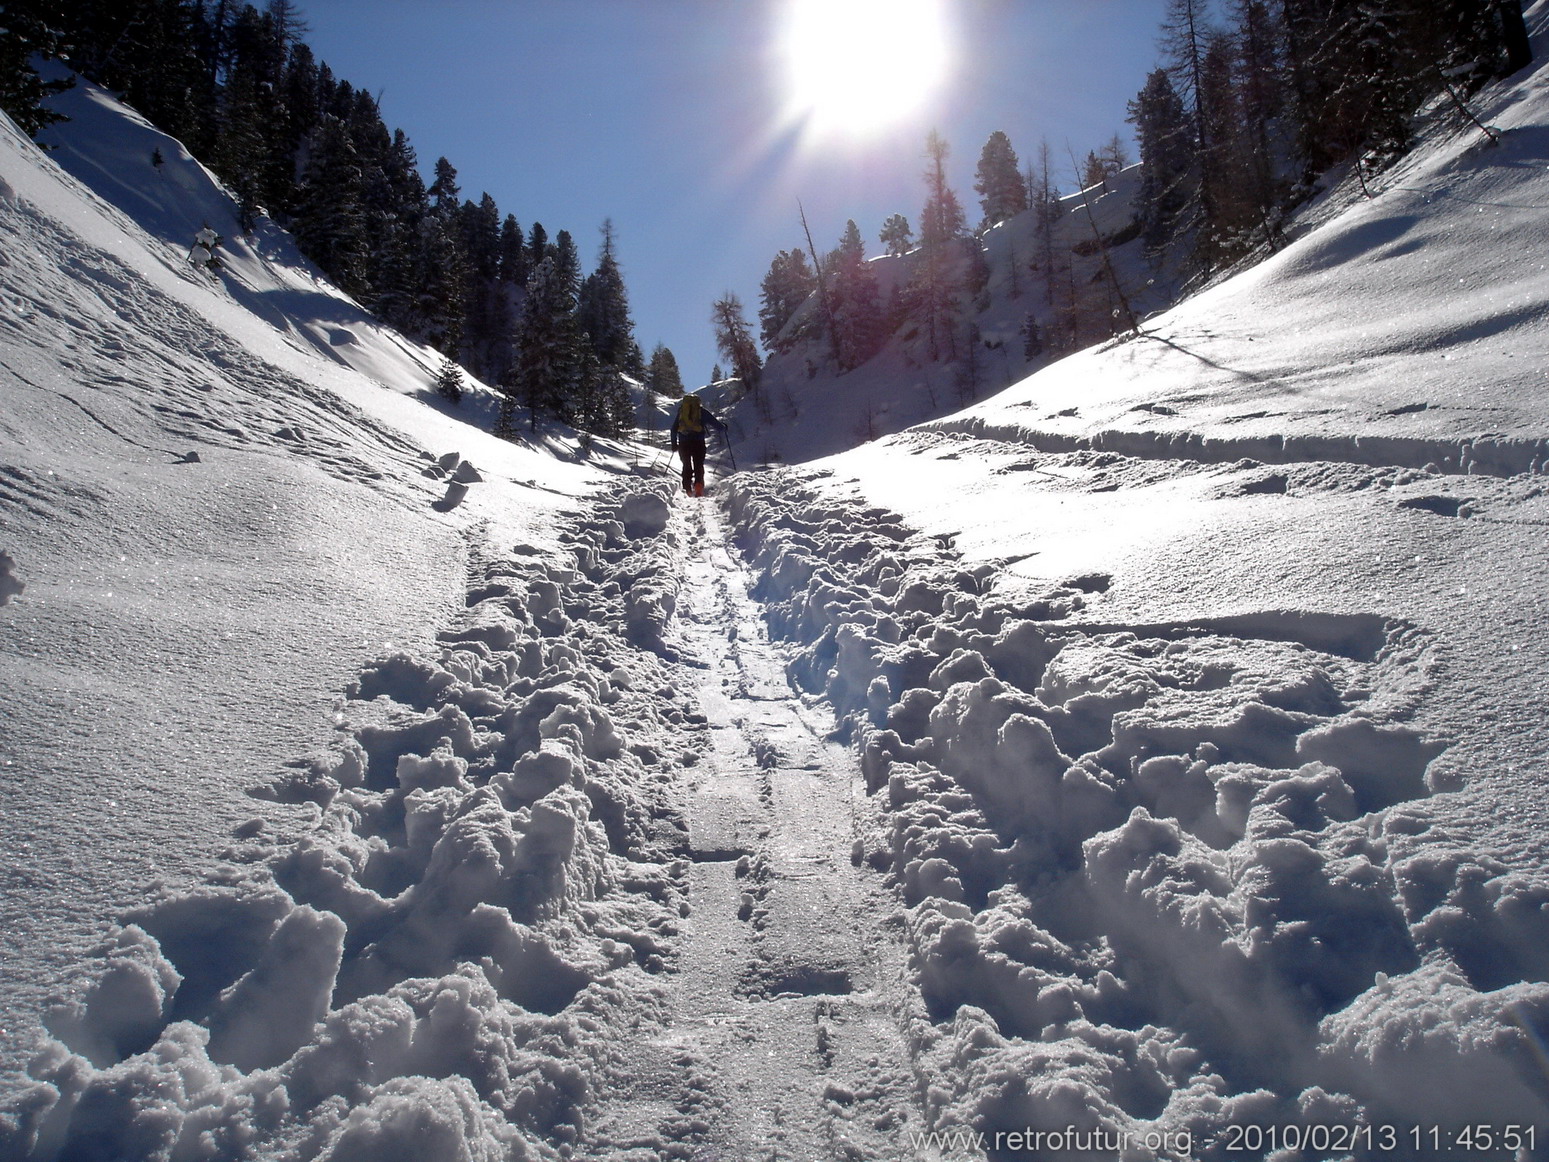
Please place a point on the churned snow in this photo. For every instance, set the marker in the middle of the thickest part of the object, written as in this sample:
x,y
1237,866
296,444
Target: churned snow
x,y
1146,762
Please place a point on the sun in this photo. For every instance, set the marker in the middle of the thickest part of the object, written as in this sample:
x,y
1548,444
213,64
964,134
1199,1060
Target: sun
x,y
856,66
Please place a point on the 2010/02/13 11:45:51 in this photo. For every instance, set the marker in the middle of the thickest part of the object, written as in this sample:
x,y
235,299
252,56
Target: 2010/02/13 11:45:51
x,y
1480,1137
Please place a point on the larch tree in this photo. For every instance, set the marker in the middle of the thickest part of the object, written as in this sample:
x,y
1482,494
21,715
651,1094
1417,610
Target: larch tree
x,y
734,339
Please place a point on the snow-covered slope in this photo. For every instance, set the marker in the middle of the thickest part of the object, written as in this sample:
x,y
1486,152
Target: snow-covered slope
x,y
216,519
1201,678
1163,776
806,408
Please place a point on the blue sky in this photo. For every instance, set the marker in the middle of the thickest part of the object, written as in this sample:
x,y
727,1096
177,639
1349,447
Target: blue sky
x,y
671,118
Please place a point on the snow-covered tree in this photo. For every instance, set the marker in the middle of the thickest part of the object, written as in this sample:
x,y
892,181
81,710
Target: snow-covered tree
x,y
449,381
548,349
330,220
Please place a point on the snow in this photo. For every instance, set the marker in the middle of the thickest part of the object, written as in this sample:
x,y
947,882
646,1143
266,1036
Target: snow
x,y
1146,761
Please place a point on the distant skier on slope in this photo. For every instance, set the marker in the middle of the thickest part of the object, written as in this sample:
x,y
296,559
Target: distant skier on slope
x,y
688,440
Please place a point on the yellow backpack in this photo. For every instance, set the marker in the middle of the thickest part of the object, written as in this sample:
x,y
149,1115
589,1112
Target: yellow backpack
x,y
689,419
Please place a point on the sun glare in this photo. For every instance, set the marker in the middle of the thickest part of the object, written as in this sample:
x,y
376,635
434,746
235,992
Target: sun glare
x,y
855,66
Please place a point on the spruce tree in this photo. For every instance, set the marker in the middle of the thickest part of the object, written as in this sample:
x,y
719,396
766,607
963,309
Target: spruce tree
x,y
1162,127
330,219
662,376
602,310
31,27
513,252
896,236
449,382
998,181
548,347
789,283
942,226
857,302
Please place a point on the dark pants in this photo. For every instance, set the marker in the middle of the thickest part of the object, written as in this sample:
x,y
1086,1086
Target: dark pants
x,y
692,451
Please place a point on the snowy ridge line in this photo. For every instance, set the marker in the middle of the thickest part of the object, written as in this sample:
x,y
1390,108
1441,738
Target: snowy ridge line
x,y
1158,880
1480,455
444,965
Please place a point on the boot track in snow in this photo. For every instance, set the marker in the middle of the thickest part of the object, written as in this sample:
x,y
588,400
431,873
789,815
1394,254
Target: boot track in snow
x,y
614,876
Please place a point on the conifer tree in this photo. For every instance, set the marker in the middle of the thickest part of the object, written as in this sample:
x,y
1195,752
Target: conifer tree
x,y
998,181
1047,209
896,236
789,283
857,302
537,246
449,382
942,226
330,221
513,252
662,376
602,310
1162,127
548,347
734,339
31,27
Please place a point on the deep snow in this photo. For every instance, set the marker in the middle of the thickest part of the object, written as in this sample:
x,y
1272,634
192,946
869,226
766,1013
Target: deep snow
x,y
1151,757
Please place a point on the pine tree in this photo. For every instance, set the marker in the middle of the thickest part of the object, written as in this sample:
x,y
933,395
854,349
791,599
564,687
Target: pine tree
x,y
998,181
537,247
662,376
31,27
942,225
1044,197
789,283
857,302
449,382
1032,338
1093,172
1162,127
1262,103
549,348
602,309
330,219
896,236
241,152
513,252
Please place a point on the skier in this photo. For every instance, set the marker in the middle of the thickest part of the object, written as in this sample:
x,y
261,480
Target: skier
x,y
688,440
202,252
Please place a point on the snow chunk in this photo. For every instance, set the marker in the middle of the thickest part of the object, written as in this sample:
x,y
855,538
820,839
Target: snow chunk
x,y
126,1007
9,585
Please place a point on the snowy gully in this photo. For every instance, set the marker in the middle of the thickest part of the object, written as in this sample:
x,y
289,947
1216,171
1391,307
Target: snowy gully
x,y
760,827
